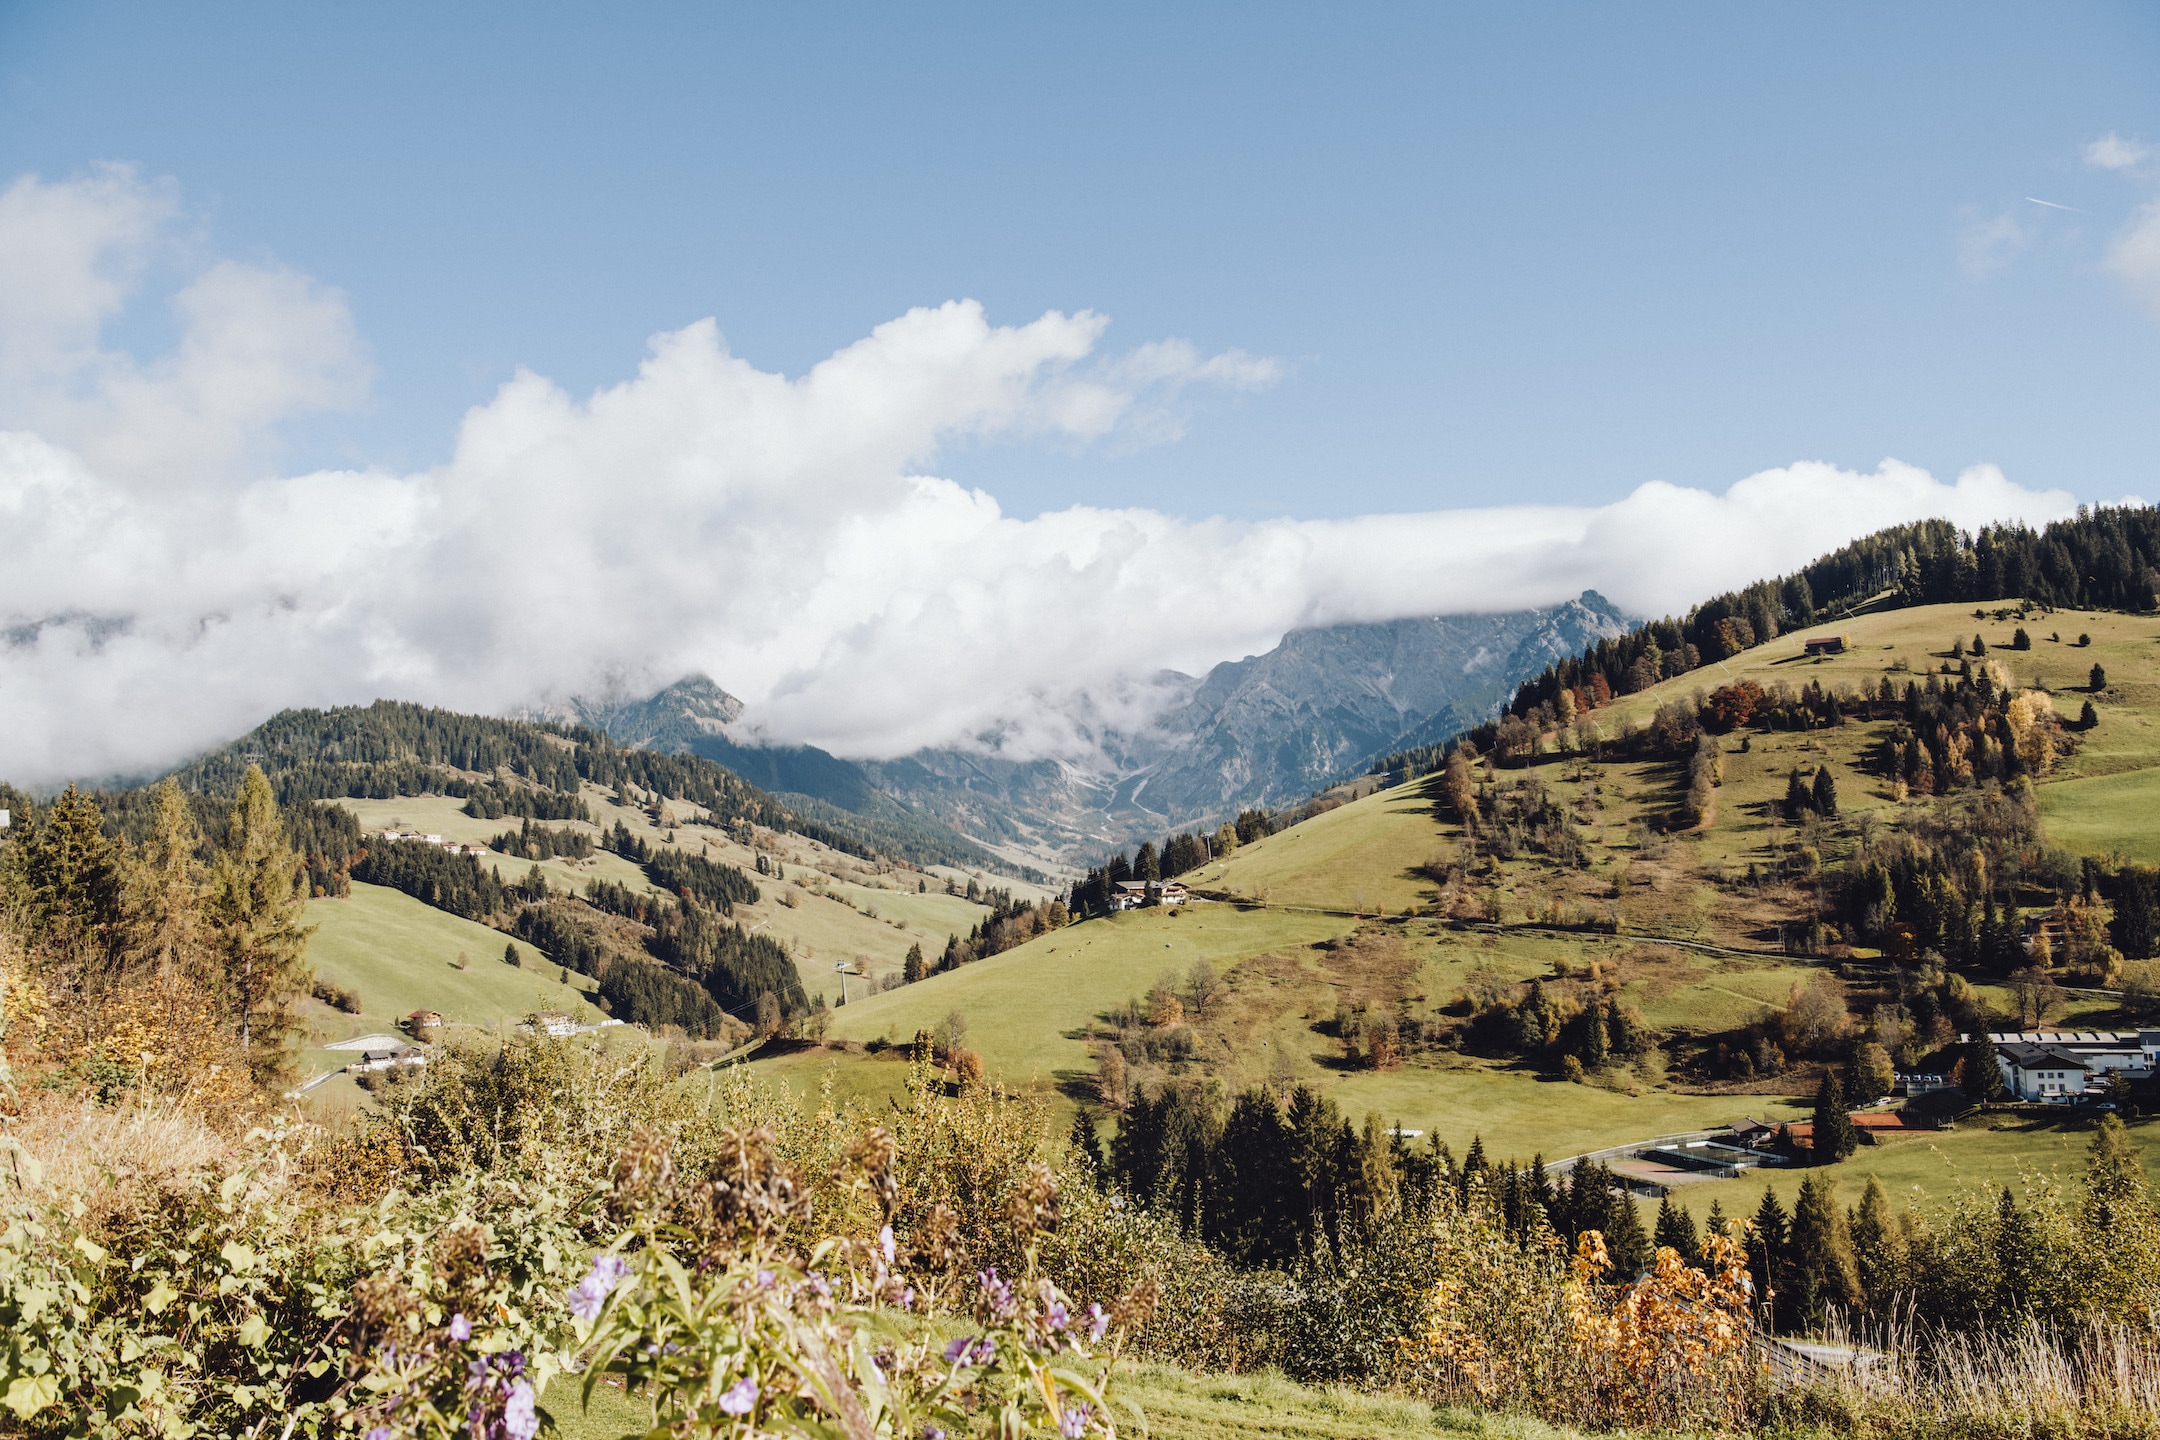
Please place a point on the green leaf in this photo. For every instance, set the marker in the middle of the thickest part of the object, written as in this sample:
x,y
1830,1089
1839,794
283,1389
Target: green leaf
x,y
28,1394
91,1250
160,1296
236,1255
253,1330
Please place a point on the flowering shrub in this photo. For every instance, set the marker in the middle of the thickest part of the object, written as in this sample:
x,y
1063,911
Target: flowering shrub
x,y
710,1303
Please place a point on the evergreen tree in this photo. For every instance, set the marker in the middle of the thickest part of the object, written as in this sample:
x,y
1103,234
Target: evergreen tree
x,y
913,968
2087,716
510,954
169,888
1982,1076
1766,1256
2136,927
2097,680
255,909
1596,1050
1834,1136
1626,1242
1799,798
1878,1247
1473,1168
1146,865
1824,794
1819,1263
1676,1231
1716,1223
1086,1143
1250,1172
73,889
2114,1180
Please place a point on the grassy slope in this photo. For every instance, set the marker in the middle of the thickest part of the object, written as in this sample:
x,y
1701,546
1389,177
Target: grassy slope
x,y
1175,1405
1366,858
828,924
402,956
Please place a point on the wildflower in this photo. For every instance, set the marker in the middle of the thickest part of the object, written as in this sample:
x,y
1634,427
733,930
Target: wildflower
x,y
1098,1323
996,1294
592,1292
1056,1317
739,1397
816,1284
380,1432
460,1329
764,1279
885,1244
519,1421
1072,1424
971,1350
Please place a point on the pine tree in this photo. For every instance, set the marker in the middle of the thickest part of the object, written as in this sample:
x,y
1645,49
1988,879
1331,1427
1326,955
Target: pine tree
x,y
2097,680
1878,1247
1595,1047
1799,798
73,892
2017,1258
1473,1168
1676,1231
1819,1260
2114,1179
255,909
1716,1223
510,954
1983,1077
2136,928
1626,1243
168,886
1086,1144
1824,795
2087,716
913,969
1834,1136
1145,865
1766,1255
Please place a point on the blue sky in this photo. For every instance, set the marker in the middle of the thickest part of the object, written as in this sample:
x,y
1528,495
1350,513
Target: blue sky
x,y
1507,253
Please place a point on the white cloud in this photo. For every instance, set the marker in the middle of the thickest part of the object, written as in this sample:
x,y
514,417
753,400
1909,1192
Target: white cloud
x,y
258,346
784,535
2134,256
2112,152
1985,246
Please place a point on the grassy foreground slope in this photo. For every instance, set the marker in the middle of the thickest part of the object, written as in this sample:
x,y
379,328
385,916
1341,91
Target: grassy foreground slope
x,y
1162,1403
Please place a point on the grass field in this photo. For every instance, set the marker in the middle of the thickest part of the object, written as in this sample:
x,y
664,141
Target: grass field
x,y
2106,814
1160,1403
402,956
845,911
1931,1169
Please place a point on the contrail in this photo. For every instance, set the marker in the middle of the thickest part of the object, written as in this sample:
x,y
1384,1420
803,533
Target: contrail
x,y
2053,206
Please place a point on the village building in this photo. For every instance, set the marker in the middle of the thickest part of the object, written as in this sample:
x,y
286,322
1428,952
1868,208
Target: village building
x,y
381,1052
2063,1067
1132,894
1823,645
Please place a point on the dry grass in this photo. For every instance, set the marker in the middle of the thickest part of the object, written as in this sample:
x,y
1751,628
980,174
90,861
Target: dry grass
x,y
110,1161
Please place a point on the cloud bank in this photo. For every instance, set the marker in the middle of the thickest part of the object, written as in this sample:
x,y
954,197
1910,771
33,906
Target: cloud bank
x,y
162,593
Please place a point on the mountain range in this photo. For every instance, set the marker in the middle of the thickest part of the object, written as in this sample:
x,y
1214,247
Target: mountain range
x,y
1268,730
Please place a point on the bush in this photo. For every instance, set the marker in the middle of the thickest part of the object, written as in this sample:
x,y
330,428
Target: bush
x,y
337,997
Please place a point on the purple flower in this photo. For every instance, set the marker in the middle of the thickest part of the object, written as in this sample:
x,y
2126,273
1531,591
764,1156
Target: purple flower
x,y
971,1350
739,1397
380,1432
1056,1316
816,1284
907,1298
885,1243
460,1329
996,1293
1097,1324
1072,1424
592,1292
519,1421
764,1278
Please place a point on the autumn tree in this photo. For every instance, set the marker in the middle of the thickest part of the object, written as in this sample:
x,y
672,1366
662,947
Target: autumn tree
x,y
254,911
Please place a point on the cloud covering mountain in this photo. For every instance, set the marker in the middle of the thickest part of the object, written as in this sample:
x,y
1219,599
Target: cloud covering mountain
x,y
164,589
